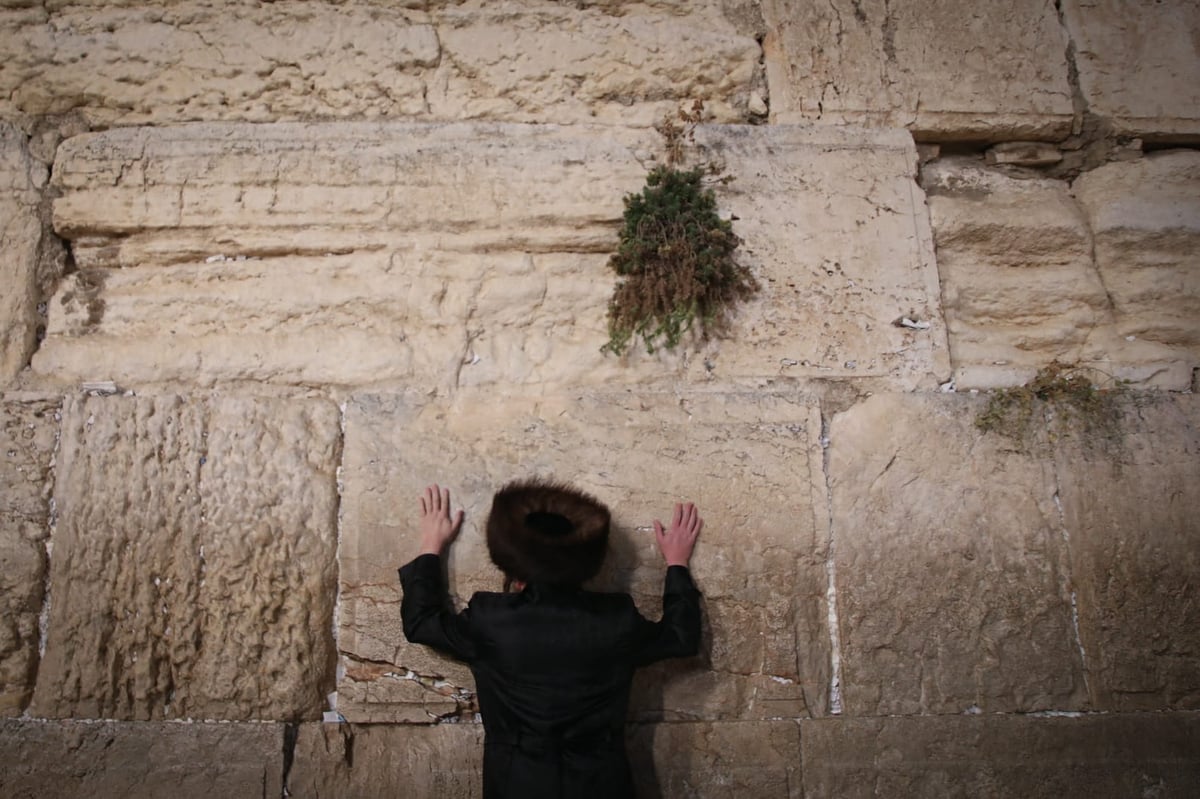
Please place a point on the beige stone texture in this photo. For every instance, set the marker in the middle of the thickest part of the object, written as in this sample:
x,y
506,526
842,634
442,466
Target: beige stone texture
x,y
992,71
716,760
696,760
21,180
750,460
193,568
28,429
377,760
519,60
951,570
1145,219
1129,507
1019,286
1100,756
1139,64
469,254
159,760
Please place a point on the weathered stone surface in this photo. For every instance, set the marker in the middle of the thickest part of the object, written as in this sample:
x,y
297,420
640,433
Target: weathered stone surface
x,y
700,760
63,760
163,63
836,229
725,759
1139,64
21,181
194,559
751,461
1129,507
1019,287
1145,218
469,254
1107,757
28,428
995,71
368,760
952,590
614,62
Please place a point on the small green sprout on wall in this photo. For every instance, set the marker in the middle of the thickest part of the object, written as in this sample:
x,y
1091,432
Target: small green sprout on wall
x,y
675,261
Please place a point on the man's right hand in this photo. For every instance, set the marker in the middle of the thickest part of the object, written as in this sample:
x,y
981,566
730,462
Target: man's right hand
x,y
676,542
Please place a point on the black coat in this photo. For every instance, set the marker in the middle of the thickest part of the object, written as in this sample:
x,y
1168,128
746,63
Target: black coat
x,y
553,669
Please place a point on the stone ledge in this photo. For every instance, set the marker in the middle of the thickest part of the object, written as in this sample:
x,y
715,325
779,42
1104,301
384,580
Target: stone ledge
x,y
164,760
1036,757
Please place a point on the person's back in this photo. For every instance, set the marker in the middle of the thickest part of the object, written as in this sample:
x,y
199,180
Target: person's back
x,y
553,663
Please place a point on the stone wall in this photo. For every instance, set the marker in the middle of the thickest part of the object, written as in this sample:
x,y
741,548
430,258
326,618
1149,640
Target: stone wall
x,y
270,268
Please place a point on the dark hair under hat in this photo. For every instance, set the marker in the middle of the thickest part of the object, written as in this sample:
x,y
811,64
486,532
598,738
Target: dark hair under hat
x,y
540,531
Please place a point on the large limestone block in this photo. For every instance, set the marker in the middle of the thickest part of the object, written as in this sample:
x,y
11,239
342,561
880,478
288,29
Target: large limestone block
x,y
68,759
943,70
1129,507
751,461
1139,64
1145,218
194,558
444,761
1019,286
532,61
469,254
615,62
716,760
1103,756
21,182
952,586
28,432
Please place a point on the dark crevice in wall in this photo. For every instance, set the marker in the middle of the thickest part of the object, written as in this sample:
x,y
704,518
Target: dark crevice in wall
x,y
53,259
290,733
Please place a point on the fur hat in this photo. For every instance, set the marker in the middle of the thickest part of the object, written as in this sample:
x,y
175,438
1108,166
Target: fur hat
x,y
540,531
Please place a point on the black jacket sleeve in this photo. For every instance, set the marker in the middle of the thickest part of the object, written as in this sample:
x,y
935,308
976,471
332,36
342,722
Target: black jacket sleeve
x,y
426,613
677,634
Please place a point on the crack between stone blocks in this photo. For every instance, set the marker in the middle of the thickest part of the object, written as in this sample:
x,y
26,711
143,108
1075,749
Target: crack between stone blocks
x,y
1079,104
51,527
1067,581
339,488
835,644
1112,306
290,734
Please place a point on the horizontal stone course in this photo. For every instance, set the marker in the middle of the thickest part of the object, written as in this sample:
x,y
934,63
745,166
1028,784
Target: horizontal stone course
x,y
166,63
1102,756
162,760
694,759
471,254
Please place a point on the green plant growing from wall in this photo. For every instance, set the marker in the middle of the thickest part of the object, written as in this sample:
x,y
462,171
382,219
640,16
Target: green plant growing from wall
x,y
1010,411
675,260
